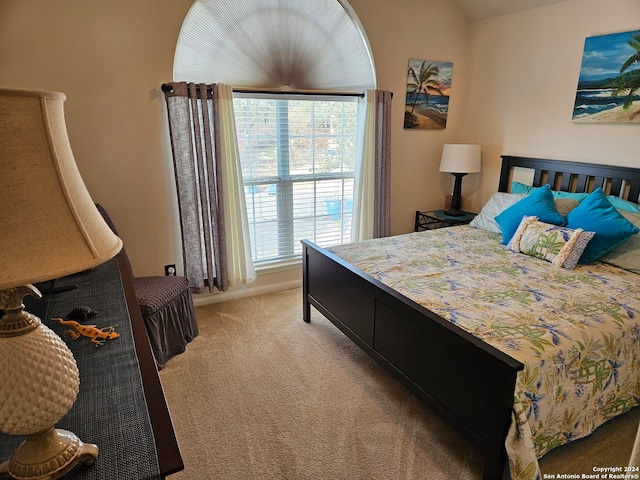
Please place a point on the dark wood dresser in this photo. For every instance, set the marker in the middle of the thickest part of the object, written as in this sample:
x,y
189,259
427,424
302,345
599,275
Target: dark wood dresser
x,y
121,405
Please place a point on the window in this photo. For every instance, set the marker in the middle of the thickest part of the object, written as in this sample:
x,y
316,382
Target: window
x,y
298,168
300,44
298,158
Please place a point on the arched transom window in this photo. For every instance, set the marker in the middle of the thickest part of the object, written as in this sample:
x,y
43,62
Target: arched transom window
x,y
297,44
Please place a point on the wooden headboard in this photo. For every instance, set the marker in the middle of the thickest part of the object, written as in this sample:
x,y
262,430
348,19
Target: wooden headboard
x,y
623,182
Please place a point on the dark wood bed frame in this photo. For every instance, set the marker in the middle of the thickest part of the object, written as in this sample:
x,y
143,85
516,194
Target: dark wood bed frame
x,y
468,382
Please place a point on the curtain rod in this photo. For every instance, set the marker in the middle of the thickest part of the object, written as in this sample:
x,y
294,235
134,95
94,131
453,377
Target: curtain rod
x,y
168,88
297,92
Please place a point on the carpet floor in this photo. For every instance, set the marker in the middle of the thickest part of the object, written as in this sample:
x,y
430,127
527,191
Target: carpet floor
x,y
260,394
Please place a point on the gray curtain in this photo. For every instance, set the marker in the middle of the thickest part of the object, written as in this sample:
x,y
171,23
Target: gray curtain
x,y
192,119
382,186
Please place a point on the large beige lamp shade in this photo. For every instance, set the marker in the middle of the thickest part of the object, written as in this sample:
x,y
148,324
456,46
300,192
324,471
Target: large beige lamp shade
x,y
49,228
459,159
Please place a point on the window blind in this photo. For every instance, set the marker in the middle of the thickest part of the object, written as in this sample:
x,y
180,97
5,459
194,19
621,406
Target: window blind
x,y
301,44
298,160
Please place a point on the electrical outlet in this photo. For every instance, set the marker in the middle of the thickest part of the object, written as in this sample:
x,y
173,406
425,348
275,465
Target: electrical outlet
x,y
170,270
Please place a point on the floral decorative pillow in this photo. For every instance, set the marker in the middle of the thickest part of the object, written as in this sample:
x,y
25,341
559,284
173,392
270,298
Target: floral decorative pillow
x,y
561,246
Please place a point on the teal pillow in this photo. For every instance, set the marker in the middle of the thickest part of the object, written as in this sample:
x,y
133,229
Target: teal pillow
x,y
570,195
538,204
624,205
597,214
517,187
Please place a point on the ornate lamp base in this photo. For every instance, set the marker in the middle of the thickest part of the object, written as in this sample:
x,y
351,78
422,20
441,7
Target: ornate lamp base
x,y
48,455
36,365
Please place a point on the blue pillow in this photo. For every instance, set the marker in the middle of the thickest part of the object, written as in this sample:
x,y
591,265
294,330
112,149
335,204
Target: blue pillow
x,y
538,204
597,214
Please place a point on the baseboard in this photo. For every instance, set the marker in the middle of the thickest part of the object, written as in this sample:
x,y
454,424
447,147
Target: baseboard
x,y
208,298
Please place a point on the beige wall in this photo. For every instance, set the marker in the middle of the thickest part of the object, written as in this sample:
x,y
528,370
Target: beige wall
x,y
428,30
513,84
524,73
110,59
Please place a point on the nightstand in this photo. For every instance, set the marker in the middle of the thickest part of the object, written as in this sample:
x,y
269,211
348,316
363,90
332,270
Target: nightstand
x,y
438,219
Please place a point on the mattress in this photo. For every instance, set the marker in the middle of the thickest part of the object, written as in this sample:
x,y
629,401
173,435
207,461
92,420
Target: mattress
x,y
576,331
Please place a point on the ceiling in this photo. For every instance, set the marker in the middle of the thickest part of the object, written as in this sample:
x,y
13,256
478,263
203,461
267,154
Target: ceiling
x,y
477,10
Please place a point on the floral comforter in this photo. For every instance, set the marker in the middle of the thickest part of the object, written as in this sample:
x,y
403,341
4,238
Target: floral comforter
x,y
577,332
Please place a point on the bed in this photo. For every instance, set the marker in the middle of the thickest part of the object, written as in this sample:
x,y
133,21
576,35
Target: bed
x,y
502,387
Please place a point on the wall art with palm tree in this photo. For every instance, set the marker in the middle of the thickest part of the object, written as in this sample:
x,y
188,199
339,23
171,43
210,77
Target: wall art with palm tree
x,y
609,81
428,89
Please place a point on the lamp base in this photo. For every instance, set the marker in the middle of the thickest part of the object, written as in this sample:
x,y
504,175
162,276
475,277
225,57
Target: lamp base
x,y
456,200
454,213
48,455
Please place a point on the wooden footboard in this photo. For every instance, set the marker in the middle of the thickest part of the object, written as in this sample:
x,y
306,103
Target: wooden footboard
x,y
469,383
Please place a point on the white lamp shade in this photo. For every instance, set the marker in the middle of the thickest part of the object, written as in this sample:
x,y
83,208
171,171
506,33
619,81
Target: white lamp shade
x,y
461,158
49,225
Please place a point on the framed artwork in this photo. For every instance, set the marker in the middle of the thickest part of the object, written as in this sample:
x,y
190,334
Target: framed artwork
x,y
609,83
428,90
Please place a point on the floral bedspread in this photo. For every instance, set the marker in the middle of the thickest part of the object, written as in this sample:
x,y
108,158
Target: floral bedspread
x,y
576,331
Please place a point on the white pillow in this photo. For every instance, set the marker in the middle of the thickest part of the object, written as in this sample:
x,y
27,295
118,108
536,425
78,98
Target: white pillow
x,y
498,202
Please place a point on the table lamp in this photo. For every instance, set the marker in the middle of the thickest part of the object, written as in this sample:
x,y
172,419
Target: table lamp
x,y
459,159
49,228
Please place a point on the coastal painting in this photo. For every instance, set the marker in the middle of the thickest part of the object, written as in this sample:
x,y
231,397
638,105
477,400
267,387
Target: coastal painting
x,y
428,90
609,83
